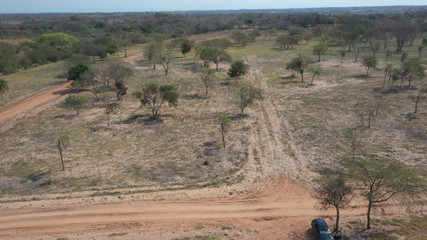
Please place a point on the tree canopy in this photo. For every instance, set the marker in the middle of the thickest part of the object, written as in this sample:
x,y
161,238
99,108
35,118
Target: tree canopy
x,y
155,95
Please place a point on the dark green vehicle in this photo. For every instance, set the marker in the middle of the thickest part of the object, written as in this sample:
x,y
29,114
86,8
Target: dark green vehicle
x,y
321,230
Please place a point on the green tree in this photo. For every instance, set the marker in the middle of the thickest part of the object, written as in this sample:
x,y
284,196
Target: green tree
x,y
272,32
208,76
186,48
333,191
369,62
75,102
253,35
384,179
75,73
413,69
154,96
63,142
152,51
287,41
61,41
298,64
224,122
4,87
215,55
240,38
237,69
320,49
220,43
307,37
120,72
247,96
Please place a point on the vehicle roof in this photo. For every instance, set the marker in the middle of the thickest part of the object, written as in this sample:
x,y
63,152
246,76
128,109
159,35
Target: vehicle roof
x,y
323,226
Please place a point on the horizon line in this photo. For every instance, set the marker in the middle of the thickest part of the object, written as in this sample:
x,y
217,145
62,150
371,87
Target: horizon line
x,y
214,10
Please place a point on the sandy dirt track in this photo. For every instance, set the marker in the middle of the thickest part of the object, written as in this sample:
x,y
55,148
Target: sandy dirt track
x,y
42,97
283,208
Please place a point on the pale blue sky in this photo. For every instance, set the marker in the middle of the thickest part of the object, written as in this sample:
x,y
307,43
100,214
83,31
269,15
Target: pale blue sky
x,y
43,6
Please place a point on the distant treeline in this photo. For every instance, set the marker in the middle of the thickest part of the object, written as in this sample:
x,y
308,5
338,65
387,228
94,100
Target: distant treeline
x,y
52,37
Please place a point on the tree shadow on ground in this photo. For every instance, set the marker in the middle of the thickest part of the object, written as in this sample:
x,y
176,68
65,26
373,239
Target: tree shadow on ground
x,y
147,119
238,116
361,76
289,80
194,96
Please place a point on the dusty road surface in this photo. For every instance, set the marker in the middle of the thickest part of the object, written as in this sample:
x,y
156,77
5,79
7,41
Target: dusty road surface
x,y
281,211
42,97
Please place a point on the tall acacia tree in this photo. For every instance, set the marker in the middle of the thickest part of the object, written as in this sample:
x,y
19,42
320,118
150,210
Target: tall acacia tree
x,y
333,191
224,122
384,179
208,76
4,86
63,142
108,110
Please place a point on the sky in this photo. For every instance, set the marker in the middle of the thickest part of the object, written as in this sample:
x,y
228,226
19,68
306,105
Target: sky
x,y
46,6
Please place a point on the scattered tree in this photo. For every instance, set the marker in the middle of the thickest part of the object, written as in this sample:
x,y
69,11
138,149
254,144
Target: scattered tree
x,y
298,64
369,62
412,69
214,55
384,179
247,96
333,191
63,142
320,49
75,73
120,72
237,69
307,37
387,56
253,35
315,70
155,96
208,76
342,53
402,29
354,141
108,110
287,41
224,122
186,48
272,32
75,102
4,87
417,98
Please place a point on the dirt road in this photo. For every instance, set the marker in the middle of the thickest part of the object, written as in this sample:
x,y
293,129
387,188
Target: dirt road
x,y
282,209
29,103
42,97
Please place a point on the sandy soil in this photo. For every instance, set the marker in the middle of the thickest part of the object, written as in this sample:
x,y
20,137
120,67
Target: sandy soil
x,y
282,210
19,108
22,106
256,208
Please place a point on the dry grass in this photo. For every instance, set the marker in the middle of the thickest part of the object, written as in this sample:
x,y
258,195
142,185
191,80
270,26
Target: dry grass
x,y
295,131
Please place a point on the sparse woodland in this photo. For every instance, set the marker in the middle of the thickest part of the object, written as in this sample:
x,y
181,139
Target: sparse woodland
x,y
216,100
